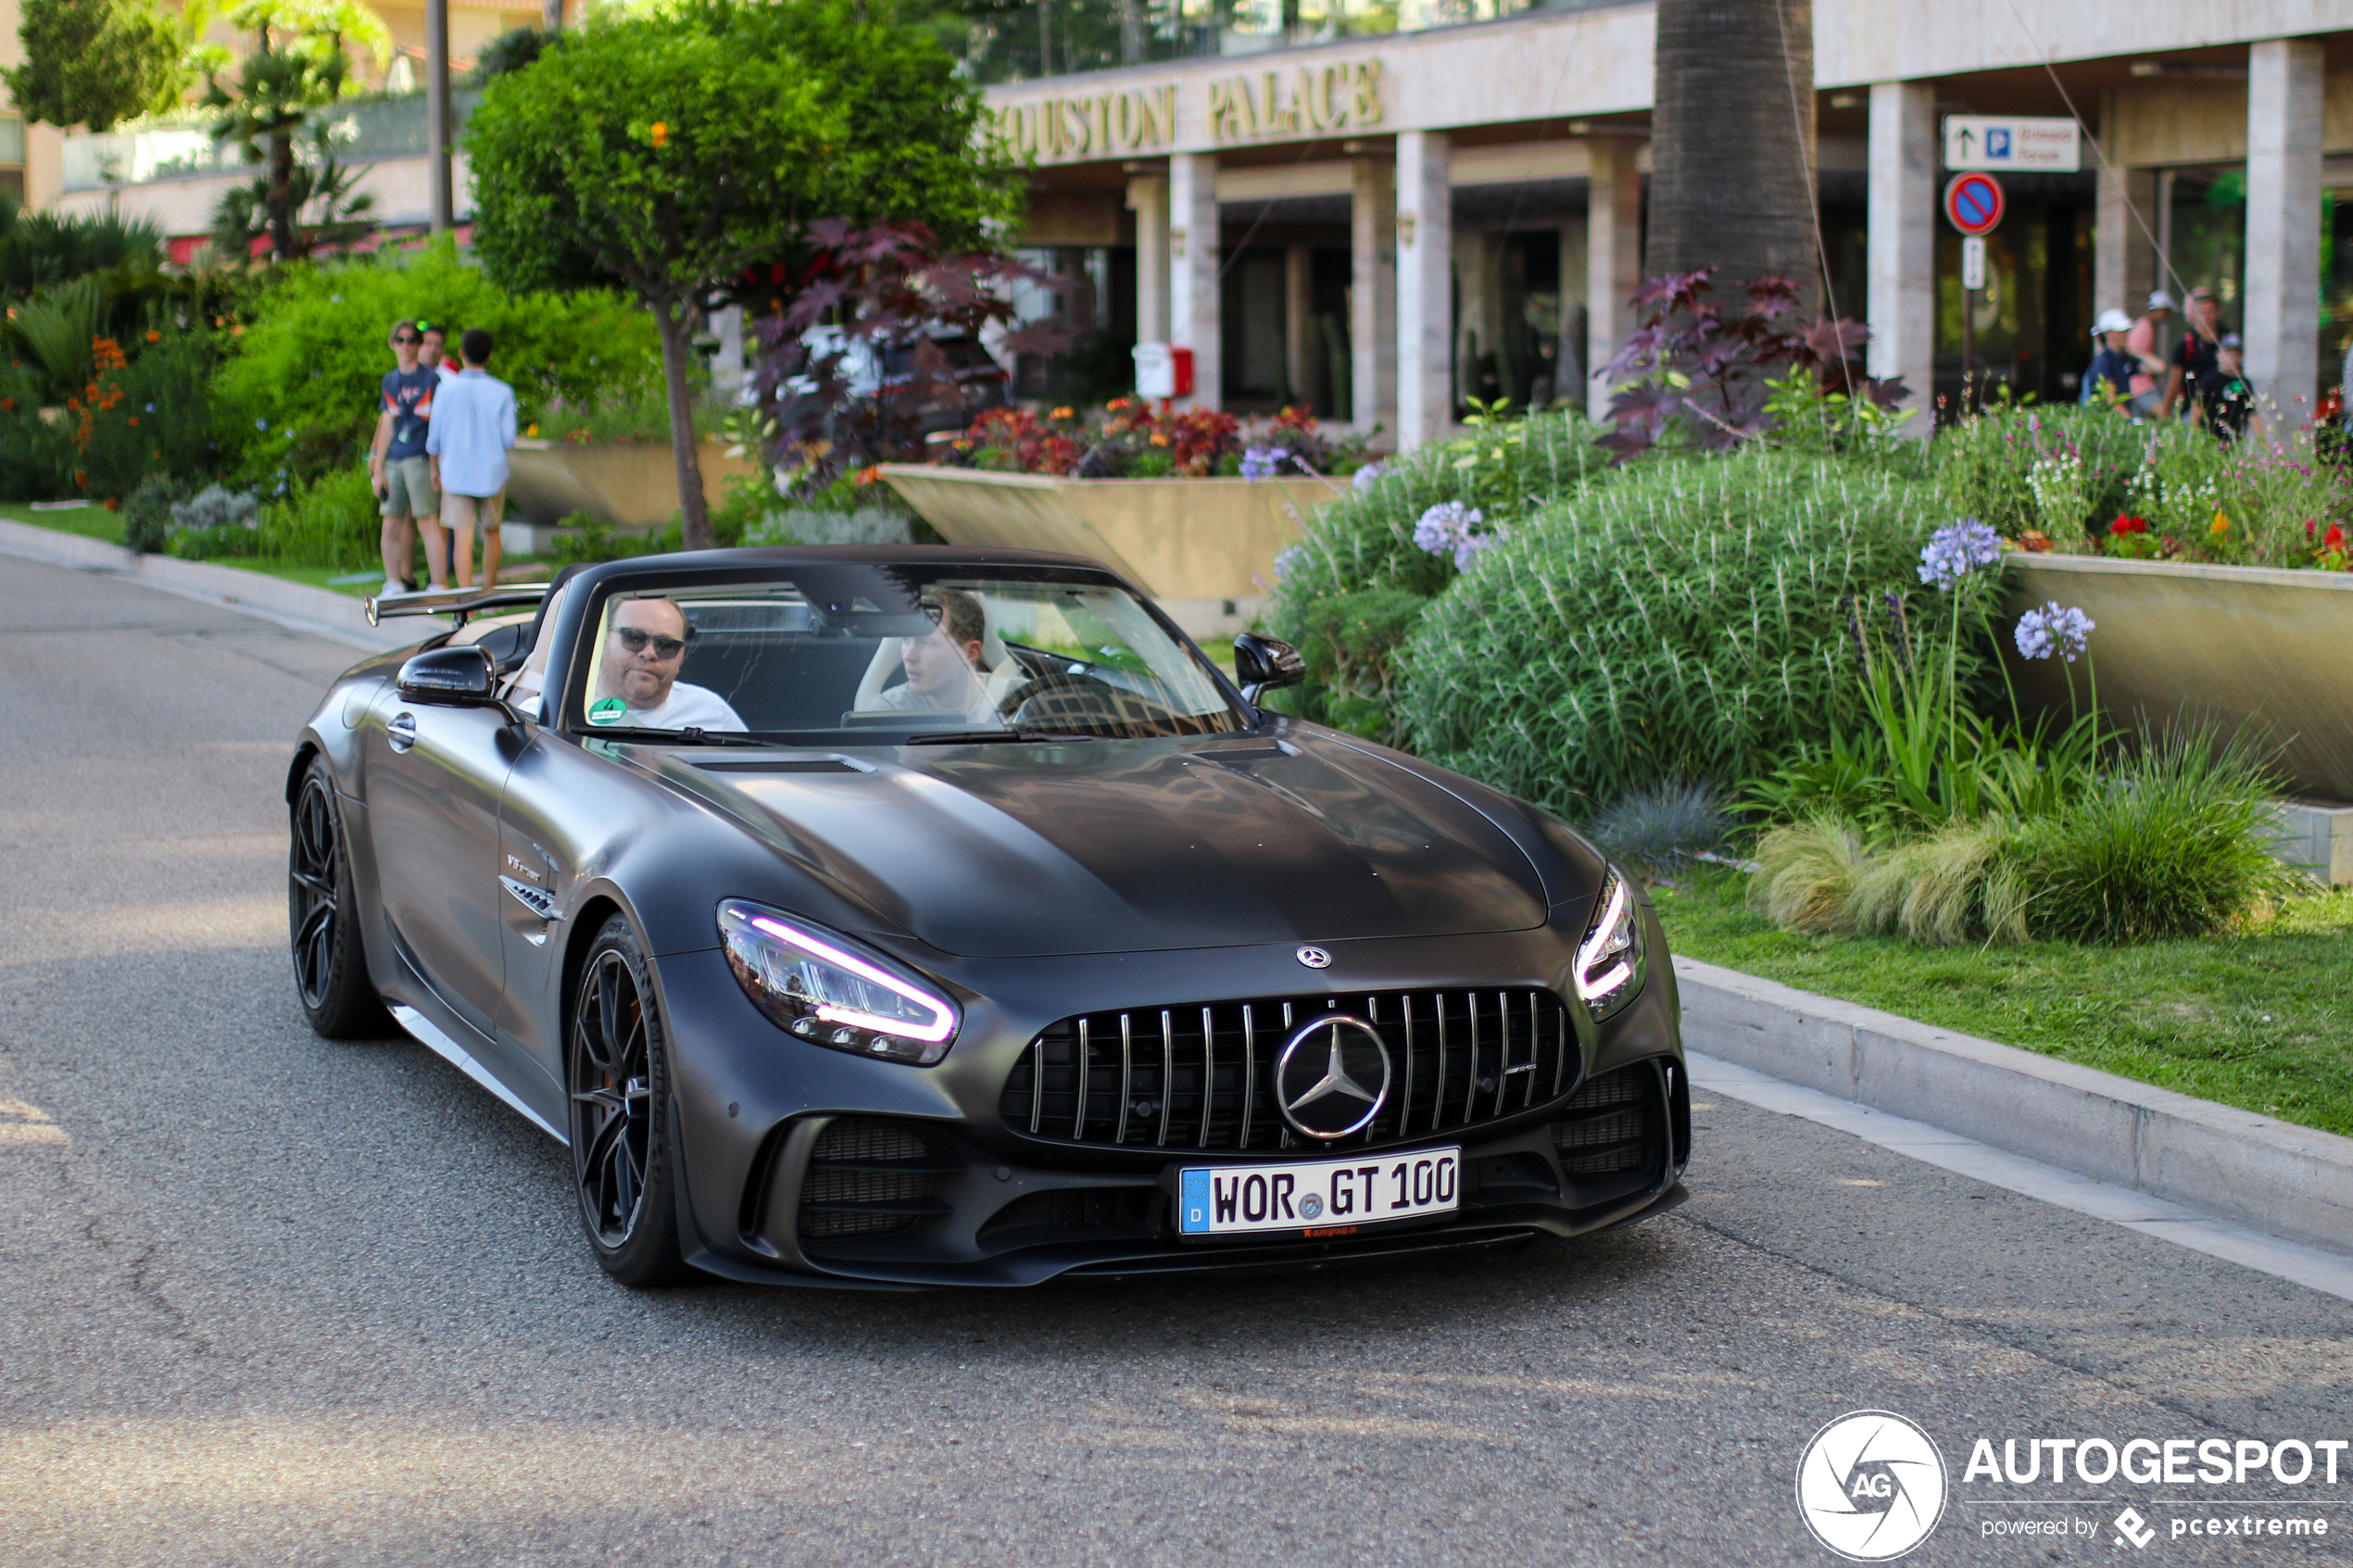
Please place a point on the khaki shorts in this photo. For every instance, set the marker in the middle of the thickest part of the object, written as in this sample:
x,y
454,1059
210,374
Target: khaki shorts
x,y
409,488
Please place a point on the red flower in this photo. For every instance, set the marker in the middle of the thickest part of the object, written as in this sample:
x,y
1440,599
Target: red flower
x,y
2124,525
2333,539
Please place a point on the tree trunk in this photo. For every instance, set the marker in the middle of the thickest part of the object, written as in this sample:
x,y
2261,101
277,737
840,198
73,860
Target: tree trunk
x,y
694,518
282,236
1732,144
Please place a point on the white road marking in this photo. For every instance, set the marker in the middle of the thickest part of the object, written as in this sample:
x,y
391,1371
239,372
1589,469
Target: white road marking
x,y
2310,1266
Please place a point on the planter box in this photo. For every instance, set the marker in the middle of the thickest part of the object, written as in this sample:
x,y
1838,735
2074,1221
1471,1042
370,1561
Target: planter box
x,y
633,486
1205,548
2244,647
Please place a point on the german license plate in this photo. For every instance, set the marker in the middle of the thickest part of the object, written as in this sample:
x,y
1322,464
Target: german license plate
x,y
1318,1196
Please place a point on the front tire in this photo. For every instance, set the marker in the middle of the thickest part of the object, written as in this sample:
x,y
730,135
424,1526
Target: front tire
x,y
618,1069
322,928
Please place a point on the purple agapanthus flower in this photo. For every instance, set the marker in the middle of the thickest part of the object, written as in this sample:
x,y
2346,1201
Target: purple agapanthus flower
x,y
1447,528
1289,560
1261,462
1364,478
2053,630
1956,550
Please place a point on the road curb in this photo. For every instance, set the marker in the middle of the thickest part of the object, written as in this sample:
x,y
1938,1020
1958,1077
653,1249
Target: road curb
x,y
296,605
2287,1180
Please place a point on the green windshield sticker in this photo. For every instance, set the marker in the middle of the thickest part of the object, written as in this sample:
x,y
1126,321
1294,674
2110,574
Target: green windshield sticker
x,y
611,710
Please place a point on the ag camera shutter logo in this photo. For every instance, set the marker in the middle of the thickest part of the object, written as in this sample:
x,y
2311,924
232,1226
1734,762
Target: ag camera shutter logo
x,y
1870,1486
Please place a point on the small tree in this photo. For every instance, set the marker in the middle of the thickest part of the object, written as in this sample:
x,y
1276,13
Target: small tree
x,y
675,149
96,62
301,66
853,371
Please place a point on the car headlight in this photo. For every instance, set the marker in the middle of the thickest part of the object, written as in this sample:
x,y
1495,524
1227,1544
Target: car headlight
x,y
1610,960
829,991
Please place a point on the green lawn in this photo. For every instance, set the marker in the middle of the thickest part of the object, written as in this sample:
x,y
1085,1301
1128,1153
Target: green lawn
x,y
91,522
96,522
2261,1018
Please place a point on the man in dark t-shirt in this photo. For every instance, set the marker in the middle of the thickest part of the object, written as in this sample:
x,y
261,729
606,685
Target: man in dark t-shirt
x,y
2224,403
2193,351
397,460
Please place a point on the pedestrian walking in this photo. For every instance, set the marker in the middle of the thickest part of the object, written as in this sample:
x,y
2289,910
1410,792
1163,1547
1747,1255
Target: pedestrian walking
x,y
2225,405
474,425
2145,344
2111,372
436,336
397,465
2194,355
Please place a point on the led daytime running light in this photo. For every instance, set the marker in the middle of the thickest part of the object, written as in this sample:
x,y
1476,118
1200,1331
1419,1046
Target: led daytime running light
x,y
943,1021
1594,949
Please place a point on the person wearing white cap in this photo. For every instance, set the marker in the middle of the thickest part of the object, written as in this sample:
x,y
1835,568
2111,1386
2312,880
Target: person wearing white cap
x,y
2111,373
2141,343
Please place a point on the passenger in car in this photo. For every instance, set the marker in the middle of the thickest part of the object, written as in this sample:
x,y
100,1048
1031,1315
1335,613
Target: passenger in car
x,y
944,668
638,681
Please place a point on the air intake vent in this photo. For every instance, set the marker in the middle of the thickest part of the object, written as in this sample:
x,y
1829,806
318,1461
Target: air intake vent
x,y
782,765
1612,1134
869,1178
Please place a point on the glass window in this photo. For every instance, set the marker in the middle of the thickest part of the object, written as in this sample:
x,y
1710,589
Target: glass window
x,y
851,654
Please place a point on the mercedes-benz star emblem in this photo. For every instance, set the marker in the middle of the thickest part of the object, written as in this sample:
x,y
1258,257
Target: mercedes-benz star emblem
x,y
1315,958
1332,1077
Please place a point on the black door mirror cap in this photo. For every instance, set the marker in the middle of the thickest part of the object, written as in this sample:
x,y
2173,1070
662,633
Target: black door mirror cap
x,y
1260,664
465,676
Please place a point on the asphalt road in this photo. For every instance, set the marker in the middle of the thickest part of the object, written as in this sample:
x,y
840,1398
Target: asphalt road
x,y
269,1299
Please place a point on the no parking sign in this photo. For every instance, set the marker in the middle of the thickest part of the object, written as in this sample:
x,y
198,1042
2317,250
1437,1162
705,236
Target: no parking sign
x,y
1973,203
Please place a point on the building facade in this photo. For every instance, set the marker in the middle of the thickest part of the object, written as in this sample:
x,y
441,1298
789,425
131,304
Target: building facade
x,y
1387,225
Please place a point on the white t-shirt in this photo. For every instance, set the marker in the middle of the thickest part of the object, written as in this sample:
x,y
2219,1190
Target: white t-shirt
x,y
687,707
905,699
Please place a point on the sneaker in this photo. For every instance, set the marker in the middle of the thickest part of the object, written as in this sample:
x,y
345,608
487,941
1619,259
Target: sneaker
x,y
392,585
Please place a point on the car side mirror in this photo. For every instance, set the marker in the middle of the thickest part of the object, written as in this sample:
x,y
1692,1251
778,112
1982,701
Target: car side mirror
x,y
1260,664
451,677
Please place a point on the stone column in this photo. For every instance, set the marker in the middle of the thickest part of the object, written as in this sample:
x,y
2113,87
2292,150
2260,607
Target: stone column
x,y
1300,344
1613,259
1425,287
1901,244
1192,271
1147,199
1372,297
2123,232
2283,224
1568,352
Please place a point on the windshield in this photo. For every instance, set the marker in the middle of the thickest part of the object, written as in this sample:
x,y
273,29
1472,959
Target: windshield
x,y
880,655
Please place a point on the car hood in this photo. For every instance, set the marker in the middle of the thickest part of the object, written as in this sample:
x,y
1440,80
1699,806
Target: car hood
x,y
1026,850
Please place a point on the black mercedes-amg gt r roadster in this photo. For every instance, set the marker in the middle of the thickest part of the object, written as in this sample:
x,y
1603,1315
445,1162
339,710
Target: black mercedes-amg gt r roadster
x,y
918,916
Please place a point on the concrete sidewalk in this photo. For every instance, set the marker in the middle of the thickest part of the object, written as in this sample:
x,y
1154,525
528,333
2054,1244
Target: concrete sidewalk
x,y
320,611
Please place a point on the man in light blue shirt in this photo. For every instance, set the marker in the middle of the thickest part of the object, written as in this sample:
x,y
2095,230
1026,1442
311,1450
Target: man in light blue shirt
x,y
474,424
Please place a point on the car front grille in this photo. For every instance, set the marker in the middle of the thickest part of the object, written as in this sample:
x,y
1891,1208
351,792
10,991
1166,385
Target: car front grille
x,y
869,1178
1201,1075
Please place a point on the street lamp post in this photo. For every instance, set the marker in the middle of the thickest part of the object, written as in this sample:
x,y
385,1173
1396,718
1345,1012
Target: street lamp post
x,y
437,115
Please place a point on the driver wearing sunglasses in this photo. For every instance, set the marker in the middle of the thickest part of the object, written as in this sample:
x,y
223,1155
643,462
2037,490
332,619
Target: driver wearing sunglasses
x,y
637,683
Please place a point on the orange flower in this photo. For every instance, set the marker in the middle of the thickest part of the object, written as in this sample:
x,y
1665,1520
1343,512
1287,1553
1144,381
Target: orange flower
x,y
155,337
1159,440
134,421
8,404
1061,414
113,504
660,134
869,474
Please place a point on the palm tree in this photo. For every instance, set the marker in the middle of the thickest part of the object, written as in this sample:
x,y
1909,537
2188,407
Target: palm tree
x,y
299,69
1732,143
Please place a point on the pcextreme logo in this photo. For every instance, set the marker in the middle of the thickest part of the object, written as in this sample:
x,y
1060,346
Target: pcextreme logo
x,y
1870,1486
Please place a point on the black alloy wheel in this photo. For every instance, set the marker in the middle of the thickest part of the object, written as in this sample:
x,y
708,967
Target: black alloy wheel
x,y
620,1072
331,971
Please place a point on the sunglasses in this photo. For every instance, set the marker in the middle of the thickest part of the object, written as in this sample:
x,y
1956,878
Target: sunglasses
x,y
403,339
636,640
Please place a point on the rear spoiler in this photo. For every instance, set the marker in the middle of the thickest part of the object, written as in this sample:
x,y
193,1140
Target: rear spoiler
x,y
460,602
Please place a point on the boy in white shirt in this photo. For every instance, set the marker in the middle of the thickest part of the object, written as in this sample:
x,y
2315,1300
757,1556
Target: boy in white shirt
x,y
473,426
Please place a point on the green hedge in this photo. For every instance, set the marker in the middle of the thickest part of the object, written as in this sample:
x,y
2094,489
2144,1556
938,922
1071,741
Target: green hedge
x,y
1686,621
297,398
